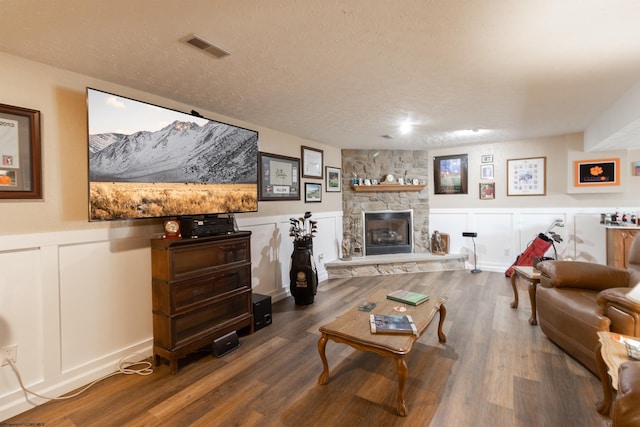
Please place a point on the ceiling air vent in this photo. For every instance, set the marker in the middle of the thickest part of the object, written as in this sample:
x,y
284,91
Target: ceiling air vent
x,y
197,41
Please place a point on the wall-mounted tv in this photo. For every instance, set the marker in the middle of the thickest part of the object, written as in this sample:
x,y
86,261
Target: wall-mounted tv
x,y
147,161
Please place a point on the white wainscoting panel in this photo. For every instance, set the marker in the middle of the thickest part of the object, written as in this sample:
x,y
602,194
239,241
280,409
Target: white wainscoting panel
x,y
265,258
105,299
503,234
78,301
21,315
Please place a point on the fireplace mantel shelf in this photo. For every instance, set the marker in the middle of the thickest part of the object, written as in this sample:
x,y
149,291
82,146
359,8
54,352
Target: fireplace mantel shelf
x,y
387,187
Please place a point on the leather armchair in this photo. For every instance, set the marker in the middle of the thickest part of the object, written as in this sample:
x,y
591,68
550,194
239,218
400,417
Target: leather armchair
x,y
577,299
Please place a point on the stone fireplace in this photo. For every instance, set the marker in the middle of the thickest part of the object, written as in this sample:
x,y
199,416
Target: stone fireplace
x,y
387,232
376,165
412,238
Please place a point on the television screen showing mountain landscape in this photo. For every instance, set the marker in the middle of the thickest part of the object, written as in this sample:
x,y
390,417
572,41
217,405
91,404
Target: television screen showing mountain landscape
x,y
147,161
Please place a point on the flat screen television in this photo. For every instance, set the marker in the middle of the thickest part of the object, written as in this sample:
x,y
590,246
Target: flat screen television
x,y
147,161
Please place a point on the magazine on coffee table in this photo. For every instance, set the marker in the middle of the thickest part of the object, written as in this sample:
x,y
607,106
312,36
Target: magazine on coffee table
x,y
392,324
407,297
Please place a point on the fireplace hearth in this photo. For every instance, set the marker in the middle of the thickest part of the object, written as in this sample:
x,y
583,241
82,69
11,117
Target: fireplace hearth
x,y
388,232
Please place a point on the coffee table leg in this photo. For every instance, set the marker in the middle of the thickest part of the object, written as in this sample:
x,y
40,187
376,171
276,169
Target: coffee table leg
x,y
514,275
322,344
403,373
443,313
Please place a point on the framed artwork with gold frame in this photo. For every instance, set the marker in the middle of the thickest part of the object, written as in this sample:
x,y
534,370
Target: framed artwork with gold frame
x,y
527,177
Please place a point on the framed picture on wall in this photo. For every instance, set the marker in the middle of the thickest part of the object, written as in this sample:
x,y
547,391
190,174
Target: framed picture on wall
x,y
20,153
487,190
312,162
312,192
278,177
486,171
333,177
596,173
527,177
450,174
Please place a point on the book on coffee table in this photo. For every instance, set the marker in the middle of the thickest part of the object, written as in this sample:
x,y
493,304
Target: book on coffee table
x,y
392,324
407,297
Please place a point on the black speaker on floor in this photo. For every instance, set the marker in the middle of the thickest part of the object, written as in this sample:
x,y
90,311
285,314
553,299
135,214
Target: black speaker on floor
x,y
261,311
225,344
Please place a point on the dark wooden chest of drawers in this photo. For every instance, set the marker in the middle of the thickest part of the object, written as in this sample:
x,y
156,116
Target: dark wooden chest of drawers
x,y
201,291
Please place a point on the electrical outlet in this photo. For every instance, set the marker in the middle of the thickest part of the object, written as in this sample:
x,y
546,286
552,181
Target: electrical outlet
x,y
9,352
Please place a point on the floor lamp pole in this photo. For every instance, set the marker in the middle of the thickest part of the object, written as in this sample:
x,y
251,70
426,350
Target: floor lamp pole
x,y
473,236
475,258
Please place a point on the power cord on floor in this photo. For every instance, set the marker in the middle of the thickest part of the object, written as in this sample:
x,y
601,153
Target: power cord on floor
x,y
124,367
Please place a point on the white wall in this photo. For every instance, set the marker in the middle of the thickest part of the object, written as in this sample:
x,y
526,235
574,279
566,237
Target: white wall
x,y
75,296
503,234
507,224
560,152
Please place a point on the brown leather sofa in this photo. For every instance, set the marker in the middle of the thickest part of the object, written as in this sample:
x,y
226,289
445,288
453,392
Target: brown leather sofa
x,y
577,299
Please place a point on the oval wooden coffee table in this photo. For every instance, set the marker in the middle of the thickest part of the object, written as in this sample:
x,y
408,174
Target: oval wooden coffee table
x,y
352,328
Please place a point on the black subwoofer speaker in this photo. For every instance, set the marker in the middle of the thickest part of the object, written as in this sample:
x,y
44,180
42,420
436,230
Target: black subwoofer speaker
x,y
261,311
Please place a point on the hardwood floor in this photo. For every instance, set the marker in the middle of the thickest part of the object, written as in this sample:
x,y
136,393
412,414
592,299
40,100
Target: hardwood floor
x,y
494,370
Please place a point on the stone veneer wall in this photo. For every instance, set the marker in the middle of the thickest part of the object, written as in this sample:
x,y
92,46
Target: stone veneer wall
x,y
377,164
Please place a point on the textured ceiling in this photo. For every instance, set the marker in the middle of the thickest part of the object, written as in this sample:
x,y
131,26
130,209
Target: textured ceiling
x,y
346,72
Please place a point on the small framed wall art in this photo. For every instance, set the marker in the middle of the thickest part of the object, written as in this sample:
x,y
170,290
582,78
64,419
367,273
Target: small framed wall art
x,y
312,192
486,171
487,190
20,153
312,162
487,158
333,177
278,177
527,177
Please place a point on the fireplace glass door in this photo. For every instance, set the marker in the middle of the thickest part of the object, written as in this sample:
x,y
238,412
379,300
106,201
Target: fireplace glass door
x,y
387,232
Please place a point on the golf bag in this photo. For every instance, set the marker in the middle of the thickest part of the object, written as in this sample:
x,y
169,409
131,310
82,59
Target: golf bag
x,y
536,249
303,273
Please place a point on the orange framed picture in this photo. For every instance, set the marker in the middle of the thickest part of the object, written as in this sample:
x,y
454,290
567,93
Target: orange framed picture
x,y
596,173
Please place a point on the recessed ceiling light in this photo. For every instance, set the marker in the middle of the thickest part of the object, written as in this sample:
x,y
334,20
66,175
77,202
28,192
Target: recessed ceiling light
x,y
405,127
200,43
